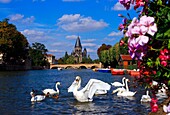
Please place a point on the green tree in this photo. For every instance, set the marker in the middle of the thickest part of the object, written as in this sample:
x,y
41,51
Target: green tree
x,y
70,60
108,57
66,56
124,48
38,54
13,45
101,48
87,60
60,61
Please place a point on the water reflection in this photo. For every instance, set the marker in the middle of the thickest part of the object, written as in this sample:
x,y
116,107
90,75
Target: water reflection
x,y
90,108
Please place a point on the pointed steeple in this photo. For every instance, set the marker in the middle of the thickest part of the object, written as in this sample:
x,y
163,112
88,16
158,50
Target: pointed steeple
x,y
78,43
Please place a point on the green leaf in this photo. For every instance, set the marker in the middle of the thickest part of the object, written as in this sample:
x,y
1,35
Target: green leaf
x,y
157,62
168,16
167,33
149,62
159,2
169,82
169,45
158,73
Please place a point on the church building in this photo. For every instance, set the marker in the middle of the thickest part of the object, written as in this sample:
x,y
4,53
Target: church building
x,y
77,53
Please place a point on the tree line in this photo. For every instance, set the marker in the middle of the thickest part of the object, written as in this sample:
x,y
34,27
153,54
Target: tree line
x,y
16,50
109,55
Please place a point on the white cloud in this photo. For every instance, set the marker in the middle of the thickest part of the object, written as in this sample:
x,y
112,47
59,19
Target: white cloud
x,y
72,0
56,51
109,39
78,23
115,34
20,18
88,45
91,50
28,20
5,1
118,6
16,17
89,40
73,37
32,33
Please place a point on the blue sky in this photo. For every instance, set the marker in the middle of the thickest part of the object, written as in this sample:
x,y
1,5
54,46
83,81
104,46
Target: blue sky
x,y
57,23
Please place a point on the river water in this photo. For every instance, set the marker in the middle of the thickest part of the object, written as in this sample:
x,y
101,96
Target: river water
x,y
15,88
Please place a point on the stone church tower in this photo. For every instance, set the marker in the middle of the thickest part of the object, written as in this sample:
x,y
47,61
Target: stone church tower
x,y
77,53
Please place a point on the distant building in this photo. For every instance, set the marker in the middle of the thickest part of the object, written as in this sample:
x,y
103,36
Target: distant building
x,y
50,58
126,61
77,53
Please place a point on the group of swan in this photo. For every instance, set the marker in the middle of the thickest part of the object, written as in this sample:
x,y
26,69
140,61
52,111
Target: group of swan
x,y
47,93
124,91
94,86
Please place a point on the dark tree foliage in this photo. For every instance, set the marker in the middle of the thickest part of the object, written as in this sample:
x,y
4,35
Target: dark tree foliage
x,y
38,54
102,48
13,45
124,49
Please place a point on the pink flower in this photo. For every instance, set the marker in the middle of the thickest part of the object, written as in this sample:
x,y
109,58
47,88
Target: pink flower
x,y
125,3
154,105
142,40
164,63
135,49
149,23
131,26
121,42
139,3
121,27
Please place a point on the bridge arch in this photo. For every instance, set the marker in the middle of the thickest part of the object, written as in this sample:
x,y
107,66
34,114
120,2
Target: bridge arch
x,y
76,66
83,67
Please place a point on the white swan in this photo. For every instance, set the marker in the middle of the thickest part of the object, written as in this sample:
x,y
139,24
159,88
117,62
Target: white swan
x,y
52,91
78,78
146,98
126,92
86,94
36,98
73,85
117,84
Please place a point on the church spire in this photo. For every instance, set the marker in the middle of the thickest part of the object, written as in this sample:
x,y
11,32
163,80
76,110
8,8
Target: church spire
x,y
78,43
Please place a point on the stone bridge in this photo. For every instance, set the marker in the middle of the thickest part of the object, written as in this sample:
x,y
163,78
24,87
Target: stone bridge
x,y
76,66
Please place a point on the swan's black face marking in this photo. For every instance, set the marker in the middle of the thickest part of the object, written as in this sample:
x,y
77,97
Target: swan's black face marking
x,y
77,80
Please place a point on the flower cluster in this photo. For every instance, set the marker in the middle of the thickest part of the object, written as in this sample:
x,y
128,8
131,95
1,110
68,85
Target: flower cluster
x,y
164,57
138,3
148,40
137,34
154,105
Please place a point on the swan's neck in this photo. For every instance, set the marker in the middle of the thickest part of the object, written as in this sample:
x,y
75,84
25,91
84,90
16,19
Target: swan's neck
x,y
79,84
57,88
147,92
127,88
123,81
75,89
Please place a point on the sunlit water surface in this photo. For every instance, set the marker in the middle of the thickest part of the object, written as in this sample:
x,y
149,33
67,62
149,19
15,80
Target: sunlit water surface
x,y
15,88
